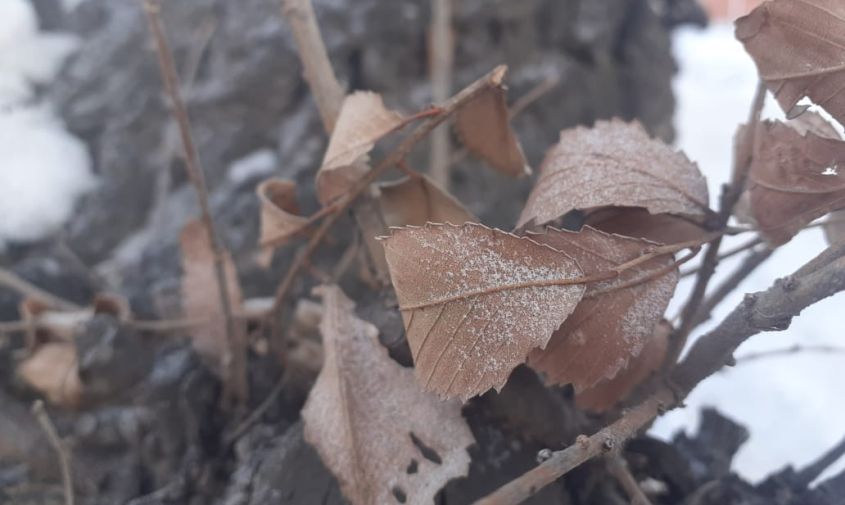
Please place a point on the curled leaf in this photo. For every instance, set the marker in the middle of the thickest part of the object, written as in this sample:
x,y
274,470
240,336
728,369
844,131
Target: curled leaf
x,y
607,394
639,223
616,318
614,164
419,200
476,300
384,439
201,294
483,125
280,217
797,46
362,122
793,180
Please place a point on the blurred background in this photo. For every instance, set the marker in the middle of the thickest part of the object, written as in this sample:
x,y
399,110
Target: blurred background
x,y
90,180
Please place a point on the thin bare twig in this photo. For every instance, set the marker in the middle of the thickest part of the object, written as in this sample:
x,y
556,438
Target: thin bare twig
x,y
441,60
730,196
25,288
234,359
318,70
61,451
770,310
811,472
786,351
618,467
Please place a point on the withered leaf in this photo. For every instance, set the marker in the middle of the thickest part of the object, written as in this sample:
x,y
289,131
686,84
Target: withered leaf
x,y
476,300
616,317
201,294
797,46
280,217
793,180
419,200
834,227
614,164
483,125
53,370
362,122
639,223
374,428
608,393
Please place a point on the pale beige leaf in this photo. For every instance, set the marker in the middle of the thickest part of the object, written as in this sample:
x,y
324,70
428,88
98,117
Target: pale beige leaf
x,y
201,294
53,370
483,125
280,217
607,394
793,180
363,120
374,428
614,164
476,300
616,318
834,227
419,200
797,46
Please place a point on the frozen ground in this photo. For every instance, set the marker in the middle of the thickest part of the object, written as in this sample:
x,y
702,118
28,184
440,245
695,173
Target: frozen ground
x,y
791,404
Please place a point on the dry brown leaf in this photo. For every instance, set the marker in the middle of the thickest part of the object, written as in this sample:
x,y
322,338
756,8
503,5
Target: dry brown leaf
x,y
834,227
616,318
793,180
639,223
797,46
614,164
363,120
53,370
201,294
476,300
384,439
483,125
419,200
280,217
610,392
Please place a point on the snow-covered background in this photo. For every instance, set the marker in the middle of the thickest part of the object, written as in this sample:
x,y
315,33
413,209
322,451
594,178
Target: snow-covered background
x,y
791,404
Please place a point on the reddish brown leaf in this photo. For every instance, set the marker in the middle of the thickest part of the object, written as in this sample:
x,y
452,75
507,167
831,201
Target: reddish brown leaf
x,y
639,223
616,317
419,200
483,126
793,180
475,301
201,294
372,425
607,394
614,164
797,46
280,217
363,120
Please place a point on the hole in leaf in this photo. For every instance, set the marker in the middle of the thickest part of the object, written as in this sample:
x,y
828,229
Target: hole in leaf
x,y
399,494
427,452
412,467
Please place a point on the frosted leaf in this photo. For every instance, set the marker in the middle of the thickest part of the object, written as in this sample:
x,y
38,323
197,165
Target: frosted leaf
x,y
614,164
370,421
787,188
483,125
610,325
476,300
639,223
362,122
797,46
419,200
608,393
